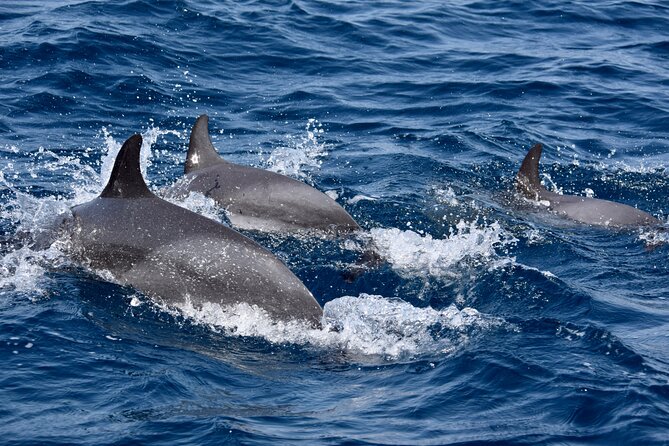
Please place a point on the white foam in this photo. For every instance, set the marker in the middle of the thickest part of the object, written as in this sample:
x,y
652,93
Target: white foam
x,y
23,270
35,215
653,237
374,325
412,254
299,153
366,325
359,198
547,274
332,194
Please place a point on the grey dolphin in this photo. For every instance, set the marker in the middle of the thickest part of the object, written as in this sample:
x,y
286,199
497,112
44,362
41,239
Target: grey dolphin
x,y
255,198
586,210
173,254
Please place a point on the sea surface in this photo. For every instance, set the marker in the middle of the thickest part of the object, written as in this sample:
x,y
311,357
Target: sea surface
x,y
486,323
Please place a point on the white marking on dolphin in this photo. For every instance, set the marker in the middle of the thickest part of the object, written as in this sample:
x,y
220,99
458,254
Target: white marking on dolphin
x,y
173,254
591,211
254,198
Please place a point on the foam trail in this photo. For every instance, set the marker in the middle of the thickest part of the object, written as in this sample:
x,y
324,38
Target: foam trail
x,y
367,325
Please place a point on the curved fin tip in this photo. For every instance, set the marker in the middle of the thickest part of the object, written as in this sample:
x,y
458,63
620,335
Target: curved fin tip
x,y
527,179
126,180
201,151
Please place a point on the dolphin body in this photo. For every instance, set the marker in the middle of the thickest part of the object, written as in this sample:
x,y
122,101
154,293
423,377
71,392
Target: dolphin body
x,y
591,211
254,198
171,253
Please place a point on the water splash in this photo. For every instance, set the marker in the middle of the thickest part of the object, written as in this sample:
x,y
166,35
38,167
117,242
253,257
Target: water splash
x,y
653,237
446,196
23,270
412,254
305,151
149,138
374,325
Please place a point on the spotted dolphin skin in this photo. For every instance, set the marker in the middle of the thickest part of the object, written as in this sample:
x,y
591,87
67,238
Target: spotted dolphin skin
x,y
254,198
173,254
591,211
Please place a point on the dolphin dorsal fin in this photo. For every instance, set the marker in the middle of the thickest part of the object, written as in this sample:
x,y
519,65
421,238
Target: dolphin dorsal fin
x,y
201,152
527,180
126,179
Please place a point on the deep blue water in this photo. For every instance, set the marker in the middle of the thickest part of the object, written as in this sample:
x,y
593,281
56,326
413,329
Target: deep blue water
x,y
488,324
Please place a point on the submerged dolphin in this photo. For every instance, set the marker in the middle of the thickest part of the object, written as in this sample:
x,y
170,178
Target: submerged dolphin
x,y
591,211
173,254
255,198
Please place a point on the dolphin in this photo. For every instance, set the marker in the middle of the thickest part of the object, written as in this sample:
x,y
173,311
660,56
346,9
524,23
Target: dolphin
x,y
591,211
254,198
172,254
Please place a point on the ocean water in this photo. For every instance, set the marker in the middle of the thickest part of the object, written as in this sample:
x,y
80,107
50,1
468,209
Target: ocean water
x,y
486,323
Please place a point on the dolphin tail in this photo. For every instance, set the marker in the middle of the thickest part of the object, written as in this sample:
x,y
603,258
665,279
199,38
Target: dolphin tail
x,y
126,179
527,180
201,152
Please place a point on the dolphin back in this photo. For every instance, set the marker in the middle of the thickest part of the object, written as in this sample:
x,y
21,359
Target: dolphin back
x,y
527,180
201,152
